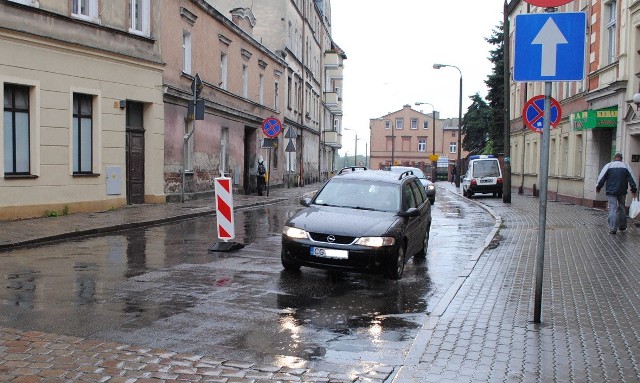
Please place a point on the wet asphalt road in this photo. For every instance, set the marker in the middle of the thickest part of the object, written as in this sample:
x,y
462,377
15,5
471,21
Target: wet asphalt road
x,y
160,287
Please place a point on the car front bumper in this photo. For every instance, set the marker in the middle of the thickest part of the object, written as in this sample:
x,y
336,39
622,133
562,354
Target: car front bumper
x,y
361,259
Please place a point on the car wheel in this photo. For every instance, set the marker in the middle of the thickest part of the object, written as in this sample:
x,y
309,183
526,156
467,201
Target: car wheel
x,y
396,266
425,245
287,264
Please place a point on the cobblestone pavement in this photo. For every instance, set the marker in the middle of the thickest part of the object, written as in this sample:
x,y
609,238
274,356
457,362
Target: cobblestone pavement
x,y
590,305
481,332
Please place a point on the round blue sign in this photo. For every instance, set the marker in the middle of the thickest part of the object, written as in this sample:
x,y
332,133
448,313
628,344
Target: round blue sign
x,y
271,127
533,113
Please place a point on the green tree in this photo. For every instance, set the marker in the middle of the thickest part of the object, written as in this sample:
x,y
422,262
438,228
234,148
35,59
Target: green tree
x,y
495,94
476,127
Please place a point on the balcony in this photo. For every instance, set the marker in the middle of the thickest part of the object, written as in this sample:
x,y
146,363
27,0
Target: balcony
x,y
332,59
333,102
335,73
333,139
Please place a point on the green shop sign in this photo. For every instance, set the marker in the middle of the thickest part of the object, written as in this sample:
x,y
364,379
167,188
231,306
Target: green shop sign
x,y
595,119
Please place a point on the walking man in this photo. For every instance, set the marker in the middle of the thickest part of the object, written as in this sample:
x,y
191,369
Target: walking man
x,y
618,177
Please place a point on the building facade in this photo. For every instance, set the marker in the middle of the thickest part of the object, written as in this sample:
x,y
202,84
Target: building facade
x,y
300,32
97,100
83,121
409,137
242,85
598,113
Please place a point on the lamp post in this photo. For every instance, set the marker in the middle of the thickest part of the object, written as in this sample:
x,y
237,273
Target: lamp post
x,y
355,156
434,162
459,147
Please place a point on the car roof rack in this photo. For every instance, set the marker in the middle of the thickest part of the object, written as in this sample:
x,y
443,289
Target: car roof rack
x,y
352,169
405,174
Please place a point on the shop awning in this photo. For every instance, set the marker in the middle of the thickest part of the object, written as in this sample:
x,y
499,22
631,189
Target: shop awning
x,y
595,119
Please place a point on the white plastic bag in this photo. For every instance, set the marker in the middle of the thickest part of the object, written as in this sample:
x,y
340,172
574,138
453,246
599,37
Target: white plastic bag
x,y
634,209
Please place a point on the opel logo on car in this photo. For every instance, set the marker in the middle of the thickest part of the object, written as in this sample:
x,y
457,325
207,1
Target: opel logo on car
x,y
331,238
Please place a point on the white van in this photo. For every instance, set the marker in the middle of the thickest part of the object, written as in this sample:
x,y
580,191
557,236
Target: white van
x,y
483,176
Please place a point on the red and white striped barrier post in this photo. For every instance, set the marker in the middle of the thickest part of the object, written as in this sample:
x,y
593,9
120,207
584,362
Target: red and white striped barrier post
x,y
224,216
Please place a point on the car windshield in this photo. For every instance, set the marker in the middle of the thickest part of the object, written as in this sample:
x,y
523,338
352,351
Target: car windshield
x,y
359,194
486,169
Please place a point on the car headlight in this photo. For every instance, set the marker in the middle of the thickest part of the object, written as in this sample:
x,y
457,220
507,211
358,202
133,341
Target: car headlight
x,y
293,232
431,187
376,241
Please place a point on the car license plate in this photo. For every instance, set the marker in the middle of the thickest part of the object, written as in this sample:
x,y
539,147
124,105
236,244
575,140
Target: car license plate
x,y
329,253
486,181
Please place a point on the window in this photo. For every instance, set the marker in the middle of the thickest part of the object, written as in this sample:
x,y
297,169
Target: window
x,y
414,123
610,21
223,71
452,147
85,9
245,81
275,95
82,135
399,123
422,144
552,157
289,85
577,154
261,89
140,13
425,125
16,129
406,144
565,171
408,198
186,52
387,125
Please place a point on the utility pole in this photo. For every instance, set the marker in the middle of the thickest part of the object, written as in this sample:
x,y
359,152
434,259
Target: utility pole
x,y
506,176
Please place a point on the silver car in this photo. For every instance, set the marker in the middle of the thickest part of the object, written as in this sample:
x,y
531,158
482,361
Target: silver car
x,y
429,186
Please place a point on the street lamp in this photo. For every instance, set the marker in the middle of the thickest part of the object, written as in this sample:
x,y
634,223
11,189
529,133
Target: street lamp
x,y
459,148
434,163
355,156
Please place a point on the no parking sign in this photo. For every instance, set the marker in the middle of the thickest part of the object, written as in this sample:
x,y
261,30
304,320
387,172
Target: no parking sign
x,y
533,113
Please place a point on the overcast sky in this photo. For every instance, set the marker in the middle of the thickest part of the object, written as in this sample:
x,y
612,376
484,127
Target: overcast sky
x,y
391,47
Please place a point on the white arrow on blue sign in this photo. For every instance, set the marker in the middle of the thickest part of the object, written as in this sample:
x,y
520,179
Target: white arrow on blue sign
x,y
550,46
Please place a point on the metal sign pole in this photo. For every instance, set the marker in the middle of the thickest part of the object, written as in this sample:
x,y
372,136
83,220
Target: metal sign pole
x,y
268,170
542,219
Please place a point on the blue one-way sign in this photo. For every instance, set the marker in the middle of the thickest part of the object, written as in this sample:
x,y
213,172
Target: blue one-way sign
x,y
550,46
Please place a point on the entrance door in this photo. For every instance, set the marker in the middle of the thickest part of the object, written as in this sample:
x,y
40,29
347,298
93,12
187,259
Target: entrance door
x,y
249,152
135,153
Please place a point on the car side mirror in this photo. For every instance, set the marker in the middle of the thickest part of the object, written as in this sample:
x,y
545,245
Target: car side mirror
x,y
305,201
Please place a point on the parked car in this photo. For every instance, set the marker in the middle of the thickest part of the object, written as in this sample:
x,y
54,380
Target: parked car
x,y
429,186
484,175
367,221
